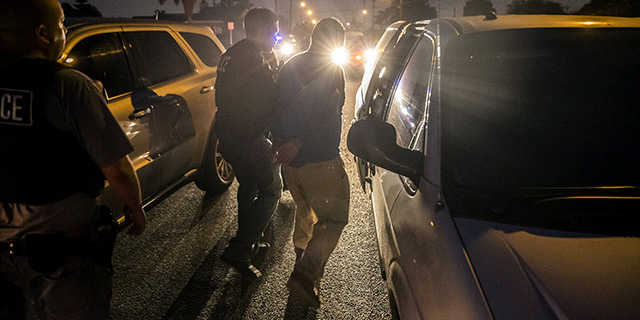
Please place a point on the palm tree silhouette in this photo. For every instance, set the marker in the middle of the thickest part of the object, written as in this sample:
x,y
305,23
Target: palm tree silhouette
x,y
188,6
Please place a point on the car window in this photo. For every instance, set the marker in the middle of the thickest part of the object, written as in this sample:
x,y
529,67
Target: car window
x,y
204,47
379,49
543,108
408,103
159,58
102,58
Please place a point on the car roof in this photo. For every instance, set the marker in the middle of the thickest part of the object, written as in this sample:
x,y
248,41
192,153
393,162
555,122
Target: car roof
x,y
73,23
473,24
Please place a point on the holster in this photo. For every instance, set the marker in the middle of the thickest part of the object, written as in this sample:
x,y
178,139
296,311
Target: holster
x,y
46,252
106,234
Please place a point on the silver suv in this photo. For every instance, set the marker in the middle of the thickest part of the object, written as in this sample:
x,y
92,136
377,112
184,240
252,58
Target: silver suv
x,y
159,80
503,162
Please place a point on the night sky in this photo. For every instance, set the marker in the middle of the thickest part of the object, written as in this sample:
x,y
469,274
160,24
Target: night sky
x,y
129,8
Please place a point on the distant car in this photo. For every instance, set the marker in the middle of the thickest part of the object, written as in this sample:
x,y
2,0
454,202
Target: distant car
x,y
504,168
355,54
286,47
159,79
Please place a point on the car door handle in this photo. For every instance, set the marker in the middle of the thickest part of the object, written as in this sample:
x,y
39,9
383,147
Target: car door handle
x,y
139,114
206,89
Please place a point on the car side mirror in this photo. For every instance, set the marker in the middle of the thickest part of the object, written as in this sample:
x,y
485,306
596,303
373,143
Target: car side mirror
x,y
375,141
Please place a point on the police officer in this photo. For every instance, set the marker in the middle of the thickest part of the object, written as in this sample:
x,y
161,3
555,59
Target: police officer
x,y
58,143
244,96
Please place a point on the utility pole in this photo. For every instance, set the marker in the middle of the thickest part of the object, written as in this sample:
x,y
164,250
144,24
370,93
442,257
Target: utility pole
x,y
373,12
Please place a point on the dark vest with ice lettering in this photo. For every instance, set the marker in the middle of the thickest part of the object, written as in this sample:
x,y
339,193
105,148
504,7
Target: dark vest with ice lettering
x,y
38,163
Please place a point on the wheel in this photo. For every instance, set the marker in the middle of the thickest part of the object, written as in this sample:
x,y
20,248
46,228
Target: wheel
x,y
216,174
393,305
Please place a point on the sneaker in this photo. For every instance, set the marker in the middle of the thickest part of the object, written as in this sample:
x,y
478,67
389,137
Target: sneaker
x,y
259,246
245,268
303,289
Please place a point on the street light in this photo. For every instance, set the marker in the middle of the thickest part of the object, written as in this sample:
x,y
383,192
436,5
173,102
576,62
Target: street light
x,y
364,18
309,12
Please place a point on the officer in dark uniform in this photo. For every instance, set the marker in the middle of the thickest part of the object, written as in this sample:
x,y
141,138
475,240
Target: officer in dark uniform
x,y
58,143
244,95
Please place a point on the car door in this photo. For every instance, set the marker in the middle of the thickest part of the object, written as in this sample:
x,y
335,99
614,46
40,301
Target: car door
x,y
405,111
100,54
171,90
400,205
428,268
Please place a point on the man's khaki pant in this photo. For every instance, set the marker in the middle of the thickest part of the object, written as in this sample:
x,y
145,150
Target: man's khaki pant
x,y
321,193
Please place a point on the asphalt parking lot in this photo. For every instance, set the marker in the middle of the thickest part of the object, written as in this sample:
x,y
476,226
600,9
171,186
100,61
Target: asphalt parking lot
x,y
173,271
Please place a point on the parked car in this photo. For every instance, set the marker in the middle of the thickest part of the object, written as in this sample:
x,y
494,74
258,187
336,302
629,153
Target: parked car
x,y
505,179
159,80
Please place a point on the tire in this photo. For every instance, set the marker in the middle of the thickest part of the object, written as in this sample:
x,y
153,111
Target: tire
x,y
393,305
216,174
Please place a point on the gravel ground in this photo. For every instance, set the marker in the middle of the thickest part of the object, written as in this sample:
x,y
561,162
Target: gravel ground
x,y
173,270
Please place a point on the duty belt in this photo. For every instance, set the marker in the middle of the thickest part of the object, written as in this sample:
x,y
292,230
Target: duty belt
x,y
46,252
13,248
80,245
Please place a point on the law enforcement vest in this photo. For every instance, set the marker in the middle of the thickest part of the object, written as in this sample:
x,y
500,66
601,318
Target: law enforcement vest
x,y
38,163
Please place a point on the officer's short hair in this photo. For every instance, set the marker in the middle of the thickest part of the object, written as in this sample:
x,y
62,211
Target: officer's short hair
x,y
18,20
24,15
328,33
257,18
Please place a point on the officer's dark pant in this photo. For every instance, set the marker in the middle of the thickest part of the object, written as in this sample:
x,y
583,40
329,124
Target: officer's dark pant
x,y
79,289
260,188
12,306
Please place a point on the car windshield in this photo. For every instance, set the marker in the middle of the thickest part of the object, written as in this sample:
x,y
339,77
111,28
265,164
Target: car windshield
x,y
540,108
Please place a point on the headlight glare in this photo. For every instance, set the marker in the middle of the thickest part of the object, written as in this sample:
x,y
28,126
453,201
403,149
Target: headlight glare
x,y
287,49
370,55
340,56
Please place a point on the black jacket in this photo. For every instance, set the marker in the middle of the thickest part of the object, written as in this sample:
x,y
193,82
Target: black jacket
x,y
244,94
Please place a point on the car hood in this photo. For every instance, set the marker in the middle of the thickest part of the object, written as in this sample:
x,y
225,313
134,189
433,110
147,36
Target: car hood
x,y
528,273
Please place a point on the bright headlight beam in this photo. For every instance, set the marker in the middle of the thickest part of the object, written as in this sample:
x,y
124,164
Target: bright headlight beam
x,y
287,49
340,56
370,55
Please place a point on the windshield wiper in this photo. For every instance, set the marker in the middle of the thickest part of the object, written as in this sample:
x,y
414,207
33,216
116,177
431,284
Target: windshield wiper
x,y
600,210
530,196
